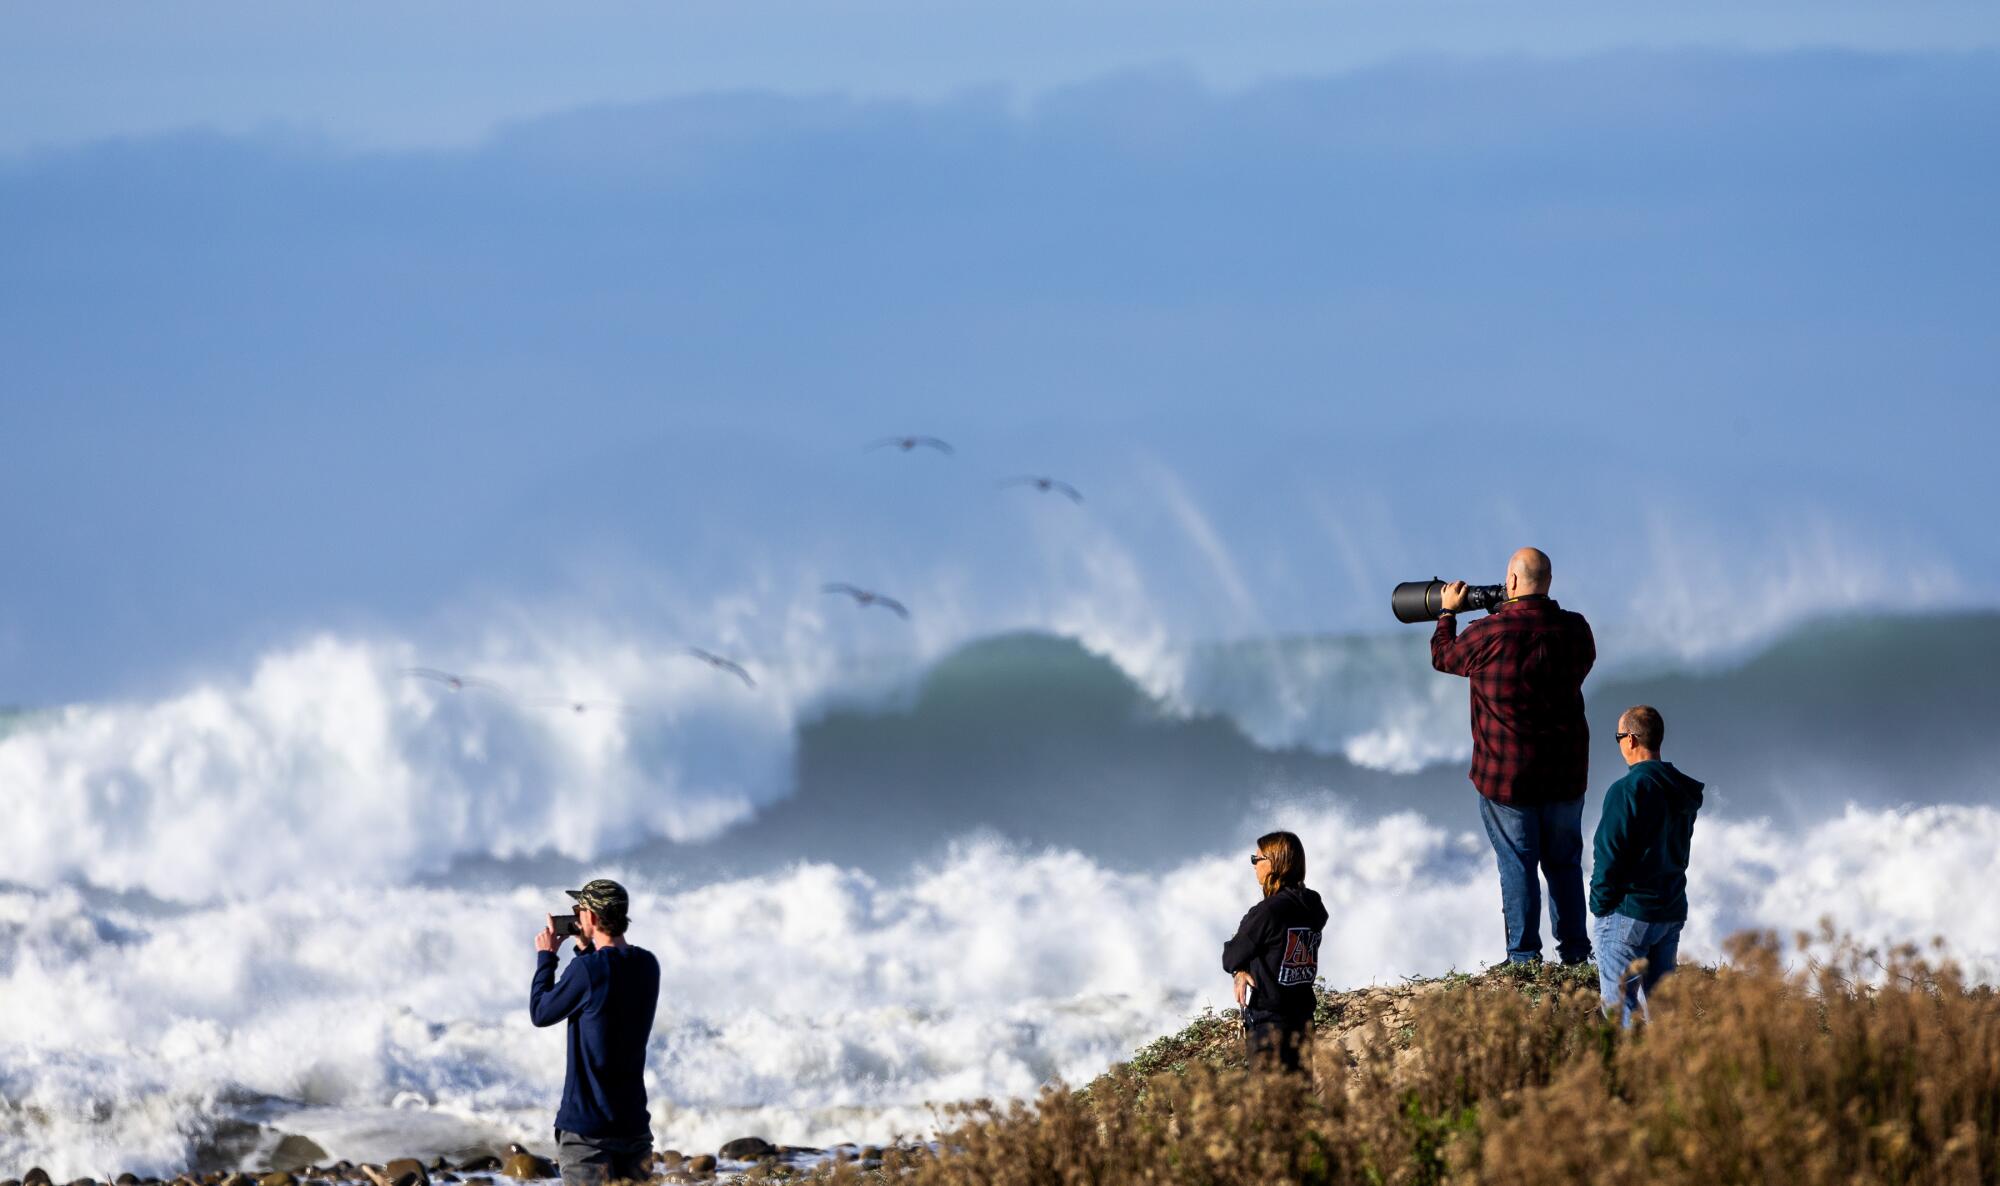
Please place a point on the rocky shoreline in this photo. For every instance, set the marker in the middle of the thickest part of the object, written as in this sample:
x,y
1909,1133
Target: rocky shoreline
x,y
298,1161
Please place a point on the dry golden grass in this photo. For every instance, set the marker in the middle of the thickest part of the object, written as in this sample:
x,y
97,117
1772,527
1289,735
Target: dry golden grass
x,y
1864,1068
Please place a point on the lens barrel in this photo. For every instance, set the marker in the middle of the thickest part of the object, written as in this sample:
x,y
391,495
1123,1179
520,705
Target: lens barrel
x,y
1418,601
1486,597
1423,601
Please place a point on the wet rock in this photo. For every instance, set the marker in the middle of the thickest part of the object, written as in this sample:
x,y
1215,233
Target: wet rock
x,y
664,1160
478,1161
10,1182
702,1164
522,1165
236,1180
83,1182
36,1177
747,1149
277,1178
407,1167
295,1153
126,1180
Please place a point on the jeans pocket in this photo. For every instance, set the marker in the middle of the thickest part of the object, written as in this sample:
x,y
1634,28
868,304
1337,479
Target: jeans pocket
x,y
1620,935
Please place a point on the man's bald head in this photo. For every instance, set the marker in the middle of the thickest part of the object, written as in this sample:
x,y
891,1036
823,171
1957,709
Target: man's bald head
x,y
1643,724
1529,573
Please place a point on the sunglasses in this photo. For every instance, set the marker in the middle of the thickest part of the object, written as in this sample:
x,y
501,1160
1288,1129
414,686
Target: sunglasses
x,y
1259,857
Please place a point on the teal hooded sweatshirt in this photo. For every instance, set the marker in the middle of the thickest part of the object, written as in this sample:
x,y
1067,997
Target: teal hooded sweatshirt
x,y
1642,844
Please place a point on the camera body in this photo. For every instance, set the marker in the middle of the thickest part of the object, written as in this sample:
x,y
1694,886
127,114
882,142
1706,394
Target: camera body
x,y
1423,601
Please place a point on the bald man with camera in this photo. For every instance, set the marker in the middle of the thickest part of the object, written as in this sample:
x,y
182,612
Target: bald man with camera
x,y
1527,660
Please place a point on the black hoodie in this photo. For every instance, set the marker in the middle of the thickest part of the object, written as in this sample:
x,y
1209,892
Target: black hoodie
x,y
1278,944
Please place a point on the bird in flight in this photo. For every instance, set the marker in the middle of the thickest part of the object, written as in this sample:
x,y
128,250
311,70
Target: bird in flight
x,y
906,444
580,707
1046,485
721,664
865,598
457,683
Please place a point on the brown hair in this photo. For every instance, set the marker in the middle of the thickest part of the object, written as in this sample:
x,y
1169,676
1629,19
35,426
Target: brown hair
x,y
1287,864
609,920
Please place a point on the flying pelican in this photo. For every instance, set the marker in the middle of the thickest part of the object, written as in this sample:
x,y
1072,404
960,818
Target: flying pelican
x,y
1045,485
457,683
721,664
908,443
865,598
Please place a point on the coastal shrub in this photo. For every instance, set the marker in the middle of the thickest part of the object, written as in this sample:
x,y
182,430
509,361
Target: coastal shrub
x,y
1863,1067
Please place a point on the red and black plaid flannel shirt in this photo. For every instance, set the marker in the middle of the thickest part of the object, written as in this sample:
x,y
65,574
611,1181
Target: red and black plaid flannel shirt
x,y
1526,661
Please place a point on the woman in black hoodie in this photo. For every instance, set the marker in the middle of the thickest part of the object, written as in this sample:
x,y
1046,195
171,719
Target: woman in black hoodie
x,y
1275,954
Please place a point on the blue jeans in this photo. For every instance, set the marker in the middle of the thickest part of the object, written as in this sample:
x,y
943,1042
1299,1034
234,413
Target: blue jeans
x,y
1620,942
595,1161
1549,835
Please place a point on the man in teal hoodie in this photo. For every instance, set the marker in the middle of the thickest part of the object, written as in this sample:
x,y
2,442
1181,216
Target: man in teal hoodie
x,y
1638,882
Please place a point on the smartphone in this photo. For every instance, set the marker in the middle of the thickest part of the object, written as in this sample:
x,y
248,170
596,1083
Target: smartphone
x,y
565,926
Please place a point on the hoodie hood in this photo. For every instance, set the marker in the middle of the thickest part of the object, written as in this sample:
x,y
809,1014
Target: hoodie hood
x,y
1683,793
1314,910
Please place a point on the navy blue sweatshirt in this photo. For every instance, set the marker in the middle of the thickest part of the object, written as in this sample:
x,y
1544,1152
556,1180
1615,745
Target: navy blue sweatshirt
x,y
1278,944
1643,839
608,997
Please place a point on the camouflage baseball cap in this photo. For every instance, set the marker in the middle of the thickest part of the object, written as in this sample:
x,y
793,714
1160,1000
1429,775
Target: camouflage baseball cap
x,y
603,896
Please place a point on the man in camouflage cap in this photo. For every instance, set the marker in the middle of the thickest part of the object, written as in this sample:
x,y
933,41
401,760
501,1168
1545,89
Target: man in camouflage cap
x,y
607,995
607,899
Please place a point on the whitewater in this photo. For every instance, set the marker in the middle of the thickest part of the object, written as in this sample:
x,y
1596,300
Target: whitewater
x,y
300,898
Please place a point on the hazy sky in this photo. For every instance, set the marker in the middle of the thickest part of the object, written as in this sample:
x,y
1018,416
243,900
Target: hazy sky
x,y
375,73
335,330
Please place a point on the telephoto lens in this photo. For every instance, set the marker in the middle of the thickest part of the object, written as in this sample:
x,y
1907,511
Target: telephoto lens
x,y
1416,601
1423,601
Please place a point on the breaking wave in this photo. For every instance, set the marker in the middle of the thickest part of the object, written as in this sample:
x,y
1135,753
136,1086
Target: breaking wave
x,y
325,766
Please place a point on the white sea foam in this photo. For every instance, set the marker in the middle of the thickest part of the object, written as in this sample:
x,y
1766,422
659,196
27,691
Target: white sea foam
x,y
324,764
812,1004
